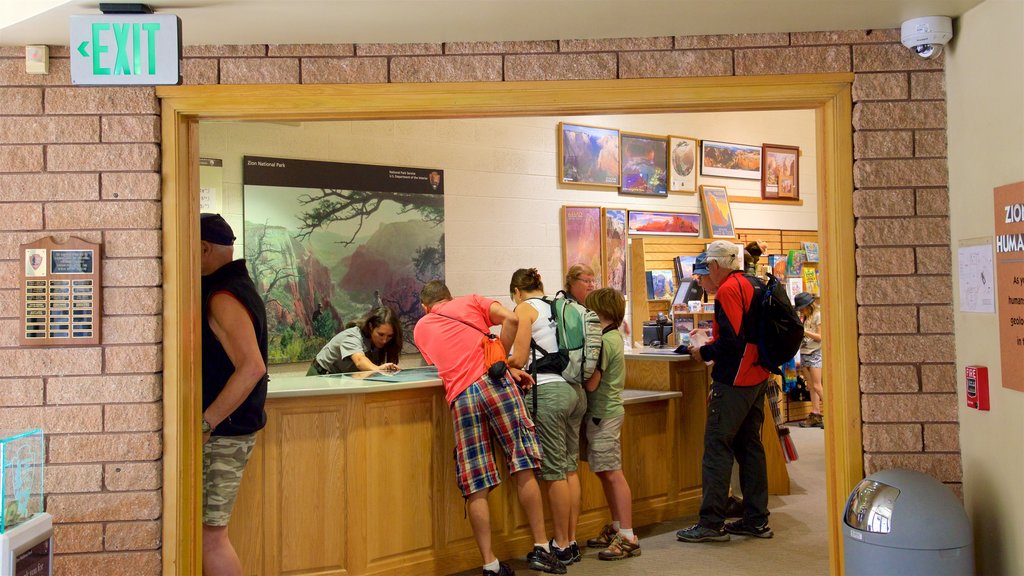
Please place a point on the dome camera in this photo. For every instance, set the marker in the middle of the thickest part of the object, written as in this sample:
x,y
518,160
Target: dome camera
x,y
927,35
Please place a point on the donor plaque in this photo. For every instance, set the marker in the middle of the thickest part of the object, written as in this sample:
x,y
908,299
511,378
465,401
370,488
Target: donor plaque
x,y
60,289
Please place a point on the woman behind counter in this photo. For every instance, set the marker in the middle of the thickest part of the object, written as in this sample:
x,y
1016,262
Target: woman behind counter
x,y
373,342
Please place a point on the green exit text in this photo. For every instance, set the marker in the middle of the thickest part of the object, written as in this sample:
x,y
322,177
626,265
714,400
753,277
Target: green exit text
x,y
128,55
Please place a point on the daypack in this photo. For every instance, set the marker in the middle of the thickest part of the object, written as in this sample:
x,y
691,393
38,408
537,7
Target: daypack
x,y
777,330
578,333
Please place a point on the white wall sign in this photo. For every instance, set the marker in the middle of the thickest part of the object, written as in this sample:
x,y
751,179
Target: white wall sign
x,y
977,279
121,49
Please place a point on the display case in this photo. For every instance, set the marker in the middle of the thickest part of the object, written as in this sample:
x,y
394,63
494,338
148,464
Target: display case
x,y
21,476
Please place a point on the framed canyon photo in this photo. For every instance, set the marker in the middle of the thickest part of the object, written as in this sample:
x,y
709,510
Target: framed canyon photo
x,y
730,160
588,155
581,238
780,179
615,247
716,206
682,163
664,223
644,165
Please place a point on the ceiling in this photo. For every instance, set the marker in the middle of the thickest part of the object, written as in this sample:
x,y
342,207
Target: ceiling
x,y
229,22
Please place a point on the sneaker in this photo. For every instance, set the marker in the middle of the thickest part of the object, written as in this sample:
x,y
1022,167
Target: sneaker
x,y
541,559
564,555
620,549
734,508
813,421
604,538
576,555
746,528
503,570
698,533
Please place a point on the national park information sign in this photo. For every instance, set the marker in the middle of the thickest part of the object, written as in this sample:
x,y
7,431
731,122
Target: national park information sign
x,y
60,288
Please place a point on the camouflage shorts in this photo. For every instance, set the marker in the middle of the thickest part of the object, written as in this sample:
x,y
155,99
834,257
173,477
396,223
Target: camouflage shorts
x,y
224,459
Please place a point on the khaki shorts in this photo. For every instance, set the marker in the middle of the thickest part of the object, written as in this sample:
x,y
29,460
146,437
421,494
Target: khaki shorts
x,y
604,445
224,459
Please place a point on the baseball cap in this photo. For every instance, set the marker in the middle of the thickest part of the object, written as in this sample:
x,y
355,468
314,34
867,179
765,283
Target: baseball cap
x,y
215,230
721,249
802,300
700,266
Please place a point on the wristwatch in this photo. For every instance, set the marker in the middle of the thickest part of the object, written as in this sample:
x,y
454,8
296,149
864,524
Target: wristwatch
x,y
206,428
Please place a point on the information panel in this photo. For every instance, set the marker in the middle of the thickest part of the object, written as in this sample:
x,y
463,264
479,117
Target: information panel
x,y
1009,241
61,293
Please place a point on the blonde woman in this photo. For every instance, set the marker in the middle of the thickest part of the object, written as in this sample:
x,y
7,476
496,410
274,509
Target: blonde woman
x,y
810,356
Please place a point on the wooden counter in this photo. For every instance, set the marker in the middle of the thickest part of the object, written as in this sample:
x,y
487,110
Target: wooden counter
x,y
353,477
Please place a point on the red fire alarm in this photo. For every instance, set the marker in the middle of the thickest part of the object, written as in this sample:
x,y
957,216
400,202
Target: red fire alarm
x,y
977,387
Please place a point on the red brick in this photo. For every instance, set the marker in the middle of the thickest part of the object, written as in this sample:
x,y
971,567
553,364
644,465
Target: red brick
x,y
103,215
133,417
884,261
22,100
883,144
892,438
577,66
235,50
10,303
104,448
513,47
278,50
109,564
104,389
485,68
132,359
846,37
9,330
344,70
902,231
889,58
76,538
887,86
102,157
930,143
904,290
938,378
396,49
259,71
616,44
128,476
927,86
12,73
942,437
131,128
131,185
933,202
22,216
677,64
132,272
21,392
53,419
48,129
199,71
10,241
132,329
52,187
937,319
934,260
909,408
731,40
47,361
876,378
897,202
943,467
102,100
132,244
907,347
892,115
9,278
21,158
133,535
811,60
132,300
887,319
73,478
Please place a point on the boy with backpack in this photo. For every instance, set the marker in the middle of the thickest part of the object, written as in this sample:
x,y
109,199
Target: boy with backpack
x,y
605,413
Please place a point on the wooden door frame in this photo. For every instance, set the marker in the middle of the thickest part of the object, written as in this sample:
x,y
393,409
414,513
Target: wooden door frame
x,y
829,95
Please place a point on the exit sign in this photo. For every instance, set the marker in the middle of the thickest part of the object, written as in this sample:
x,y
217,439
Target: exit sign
x,y
113,49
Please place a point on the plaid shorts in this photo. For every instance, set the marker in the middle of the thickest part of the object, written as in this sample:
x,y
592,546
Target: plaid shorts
x,y
224,459
482,410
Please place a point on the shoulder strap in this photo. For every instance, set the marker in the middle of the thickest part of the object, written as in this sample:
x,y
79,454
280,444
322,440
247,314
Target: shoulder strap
x,y
487,334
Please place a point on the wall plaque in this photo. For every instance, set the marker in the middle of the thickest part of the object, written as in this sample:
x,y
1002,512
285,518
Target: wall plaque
x,y
61,295
1009,242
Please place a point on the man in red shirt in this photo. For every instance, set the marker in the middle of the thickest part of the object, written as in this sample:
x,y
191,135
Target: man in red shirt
x,y
450,336
735,404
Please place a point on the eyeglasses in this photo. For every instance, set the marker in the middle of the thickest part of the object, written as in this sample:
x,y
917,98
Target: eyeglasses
x,y
590,282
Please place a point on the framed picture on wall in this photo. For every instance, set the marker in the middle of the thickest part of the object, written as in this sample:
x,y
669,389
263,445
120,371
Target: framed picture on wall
x,y
588,155
682,164
581,238
614,246
644,164
781,176
730,160
716,206
664,223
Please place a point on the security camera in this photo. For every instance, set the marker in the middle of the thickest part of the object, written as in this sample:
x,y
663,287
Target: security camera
x,y
927,35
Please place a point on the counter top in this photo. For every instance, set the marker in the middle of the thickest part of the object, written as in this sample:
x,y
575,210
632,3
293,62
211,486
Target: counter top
x,y
633,396
657,354
288,386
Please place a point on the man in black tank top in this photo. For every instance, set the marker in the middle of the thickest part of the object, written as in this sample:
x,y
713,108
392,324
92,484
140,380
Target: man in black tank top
x,y
234,328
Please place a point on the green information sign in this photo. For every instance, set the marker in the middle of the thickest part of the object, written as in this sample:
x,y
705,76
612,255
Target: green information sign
x,y
121,49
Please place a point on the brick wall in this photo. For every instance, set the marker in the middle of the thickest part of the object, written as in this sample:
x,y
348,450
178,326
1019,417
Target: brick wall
x,y
85,161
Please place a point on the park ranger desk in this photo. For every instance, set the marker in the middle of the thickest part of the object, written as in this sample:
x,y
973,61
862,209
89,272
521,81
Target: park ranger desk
x,y
354,477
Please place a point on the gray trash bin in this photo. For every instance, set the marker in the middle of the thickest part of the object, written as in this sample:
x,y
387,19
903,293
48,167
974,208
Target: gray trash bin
x,y
904,522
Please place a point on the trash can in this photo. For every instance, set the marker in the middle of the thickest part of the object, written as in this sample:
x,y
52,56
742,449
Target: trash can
x,y
907,523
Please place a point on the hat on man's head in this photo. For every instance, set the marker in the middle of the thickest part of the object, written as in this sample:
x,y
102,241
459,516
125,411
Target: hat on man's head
x,y
802,300
700,267
215,230
722,249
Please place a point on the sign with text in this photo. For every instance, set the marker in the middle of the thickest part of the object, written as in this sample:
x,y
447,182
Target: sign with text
x,y
60,293
1009,242
122,49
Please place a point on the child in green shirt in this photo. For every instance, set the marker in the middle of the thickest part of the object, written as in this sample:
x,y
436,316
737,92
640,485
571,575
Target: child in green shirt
x,y
603,420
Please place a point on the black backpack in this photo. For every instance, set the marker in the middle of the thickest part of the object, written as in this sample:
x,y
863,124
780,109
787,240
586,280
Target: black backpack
x,y
777,328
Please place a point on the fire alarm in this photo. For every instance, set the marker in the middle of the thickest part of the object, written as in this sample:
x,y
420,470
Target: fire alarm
x,y
977,387
37,59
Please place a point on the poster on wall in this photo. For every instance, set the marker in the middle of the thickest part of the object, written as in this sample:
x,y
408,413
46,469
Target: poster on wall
x,y
615,248
977,278
682,161
588,155
211,185
1009,241
581,238
326,242
644,164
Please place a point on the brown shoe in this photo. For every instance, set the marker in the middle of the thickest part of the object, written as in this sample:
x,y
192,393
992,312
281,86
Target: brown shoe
x,y
604,539
620,549
813,421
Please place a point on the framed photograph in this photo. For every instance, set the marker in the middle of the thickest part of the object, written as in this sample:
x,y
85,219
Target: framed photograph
x,y
615,248
644,164
664,223
581,238
682,164
730,160
716,206
781,176
588,155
